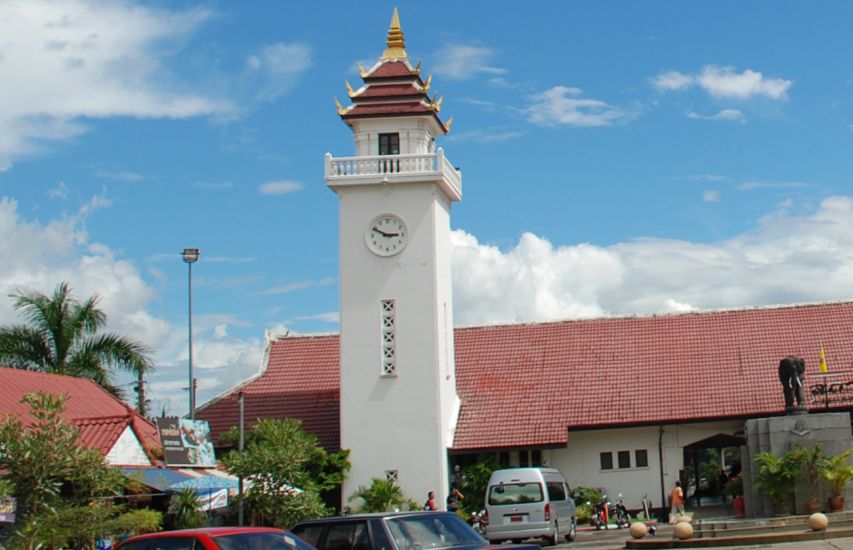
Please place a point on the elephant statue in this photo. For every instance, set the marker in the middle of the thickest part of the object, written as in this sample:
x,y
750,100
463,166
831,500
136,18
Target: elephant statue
x,y
791,373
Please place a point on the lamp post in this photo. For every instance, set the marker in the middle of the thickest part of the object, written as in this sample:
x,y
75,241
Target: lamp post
x,y
190,256
240,396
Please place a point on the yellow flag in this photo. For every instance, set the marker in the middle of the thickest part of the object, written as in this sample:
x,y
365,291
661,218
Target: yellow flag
x,y
822,365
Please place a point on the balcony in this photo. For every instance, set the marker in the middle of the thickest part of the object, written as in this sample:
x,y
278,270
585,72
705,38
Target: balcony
x,y
390,169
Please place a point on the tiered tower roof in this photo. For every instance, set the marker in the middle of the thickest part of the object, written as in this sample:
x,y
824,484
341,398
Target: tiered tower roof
x,y
392,87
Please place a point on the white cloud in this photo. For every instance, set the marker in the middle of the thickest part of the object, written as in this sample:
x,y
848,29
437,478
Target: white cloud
x,y
731,115
95,60
38,256
672,80
726,83
464,61
274,69
536,281
554,107
282,187
711,196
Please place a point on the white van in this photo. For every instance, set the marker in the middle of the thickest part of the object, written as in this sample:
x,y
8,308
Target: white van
x,y
524,503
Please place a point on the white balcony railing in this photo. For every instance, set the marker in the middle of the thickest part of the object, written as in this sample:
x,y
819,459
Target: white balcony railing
x,y
341,169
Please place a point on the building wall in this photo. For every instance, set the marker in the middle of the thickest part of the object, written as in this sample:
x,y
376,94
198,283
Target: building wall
x,y
402,422
127,451
581,464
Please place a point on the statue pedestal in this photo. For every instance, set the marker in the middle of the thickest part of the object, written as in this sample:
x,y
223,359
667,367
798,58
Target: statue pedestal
x,y
779,435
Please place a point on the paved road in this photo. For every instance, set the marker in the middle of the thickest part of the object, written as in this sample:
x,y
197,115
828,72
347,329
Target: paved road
x,y
615,538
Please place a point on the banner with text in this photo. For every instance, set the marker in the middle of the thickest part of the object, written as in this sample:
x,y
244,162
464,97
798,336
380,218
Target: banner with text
x,y
186,442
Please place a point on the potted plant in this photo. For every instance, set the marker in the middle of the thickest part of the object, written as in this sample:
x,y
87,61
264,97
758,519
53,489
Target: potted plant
x,y
775,477
838,472
811,463
734,488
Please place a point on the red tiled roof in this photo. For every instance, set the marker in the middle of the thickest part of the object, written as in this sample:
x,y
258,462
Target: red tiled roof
x,y
302,381
101,416
391,69
391,90
374,109
529,385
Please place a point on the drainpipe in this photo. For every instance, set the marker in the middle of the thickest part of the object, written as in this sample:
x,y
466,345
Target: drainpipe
x,y
660,461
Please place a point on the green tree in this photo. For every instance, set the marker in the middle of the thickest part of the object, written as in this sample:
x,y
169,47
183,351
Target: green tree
x,y
62,336
184,510
383,495
287,471
62,490
475,481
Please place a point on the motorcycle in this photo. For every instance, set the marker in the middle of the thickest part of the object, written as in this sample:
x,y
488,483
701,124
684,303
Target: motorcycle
x,y
600,513
479,521
619,512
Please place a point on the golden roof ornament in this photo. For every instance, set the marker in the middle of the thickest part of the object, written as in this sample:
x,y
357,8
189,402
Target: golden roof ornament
x,y
350,91
340,107
425,88
396,42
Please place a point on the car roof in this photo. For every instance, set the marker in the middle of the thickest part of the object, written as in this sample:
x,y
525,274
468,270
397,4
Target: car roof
x,y
377,515
210,531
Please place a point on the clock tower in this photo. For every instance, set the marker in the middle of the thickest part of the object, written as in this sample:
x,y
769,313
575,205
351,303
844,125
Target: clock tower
x,y
398,385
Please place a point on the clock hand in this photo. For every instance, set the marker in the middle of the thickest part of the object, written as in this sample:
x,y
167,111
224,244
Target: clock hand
x,y
384,234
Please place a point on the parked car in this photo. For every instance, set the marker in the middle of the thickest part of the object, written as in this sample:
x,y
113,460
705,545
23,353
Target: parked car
x,y
394,531
525,503
217,538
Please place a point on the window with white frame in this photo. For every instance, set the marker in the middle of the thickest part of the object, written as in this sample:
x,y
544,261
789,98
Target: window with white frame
x,y
389,339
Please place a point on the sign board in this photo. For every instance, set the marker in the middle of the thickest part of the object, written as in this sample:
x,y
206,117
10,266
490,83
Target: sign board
x,y
7,509
831,389
186,442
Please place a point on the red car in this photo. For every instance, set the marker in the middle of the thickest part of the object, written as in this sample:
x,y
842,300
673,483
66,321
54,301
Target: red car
x,y
217,538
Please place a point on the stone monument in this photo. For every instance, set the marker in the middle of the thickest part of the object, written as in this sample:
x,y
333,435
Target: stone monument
x,y
780,434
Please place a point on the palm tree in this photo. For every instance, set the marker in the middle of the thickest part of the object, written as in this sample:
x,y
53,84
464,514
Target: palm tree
x,y
62,337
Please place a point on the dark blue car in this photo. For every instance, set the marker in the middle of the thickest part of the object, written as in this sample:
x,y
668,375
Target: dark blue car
x,y
395,531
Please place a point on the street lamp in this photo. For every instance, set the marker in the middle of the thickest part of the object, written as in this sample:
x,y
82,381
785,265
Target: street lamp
x,y
190,256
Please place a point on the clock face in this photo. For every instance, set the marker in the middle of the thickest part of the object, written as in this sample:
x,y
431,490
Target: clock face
x,y
386,235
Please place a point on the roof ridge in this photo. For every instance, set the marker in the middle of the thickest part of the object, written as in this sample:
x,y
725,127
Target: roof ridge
x,y
614,317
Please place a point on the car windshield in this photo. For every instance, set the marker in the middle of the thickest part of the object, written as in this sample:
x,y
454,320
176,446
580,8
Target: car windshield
x,y
515,493
432,531
259,541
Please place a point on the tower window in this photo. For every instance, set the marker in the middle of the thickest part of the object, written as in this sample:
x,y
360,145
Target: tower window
x,y
389,144
389,339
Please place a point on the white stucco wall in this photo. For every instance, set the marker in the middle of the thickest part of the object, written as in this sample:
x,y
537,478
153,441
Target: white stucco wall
x,y
403,422
580,460
127,451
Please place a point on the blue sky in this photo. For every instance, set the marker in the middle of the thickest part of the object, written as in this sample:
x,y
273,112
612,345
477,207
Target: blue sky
x,y
617,158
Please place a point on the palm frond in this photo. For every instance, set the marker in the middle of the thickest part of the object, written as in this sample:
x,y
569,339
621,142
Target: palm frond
x,y
23,347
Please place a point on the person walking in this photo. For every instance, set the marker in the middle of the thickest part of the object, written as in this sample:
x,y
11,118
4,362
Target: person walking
x,y
676,500
430,501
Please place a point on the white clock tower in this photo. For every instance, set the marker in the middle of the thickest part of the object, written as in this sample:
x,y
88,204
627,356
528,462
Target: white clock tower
x,y
398,386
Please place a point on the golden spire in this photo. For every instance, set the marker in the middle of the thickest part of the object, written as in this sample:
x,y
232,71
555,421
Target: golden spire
x,y
396,43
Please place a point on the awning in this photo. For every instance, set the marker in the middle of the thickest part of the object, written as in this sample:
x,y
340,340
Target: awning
x,y
157,478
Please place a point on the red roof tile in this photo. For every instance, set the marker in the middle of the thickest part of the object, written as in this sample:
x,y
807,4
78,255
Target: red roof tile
x,y
529,385
391,69
391,90
302,381
101,416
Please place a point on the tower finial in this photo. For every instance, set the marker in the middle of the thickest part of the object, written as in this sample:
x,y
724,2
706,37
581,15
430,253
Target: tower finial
x,y
396,42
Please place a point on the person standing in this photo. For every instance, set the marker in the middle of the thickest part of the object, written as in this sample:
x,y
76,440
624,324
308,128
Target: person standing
x,y
676,499
454,499
430,501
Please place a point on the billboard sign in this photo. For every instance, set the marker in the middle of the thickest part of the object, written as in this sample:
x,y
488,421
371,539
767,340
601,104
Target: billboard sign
x,y
186,442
